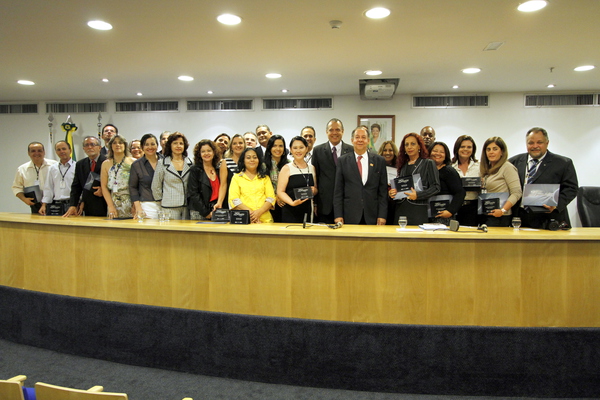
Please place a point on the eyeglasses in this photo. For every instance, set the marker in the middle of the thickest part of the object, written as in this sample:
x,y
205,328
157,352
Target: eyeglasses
x,y
90,145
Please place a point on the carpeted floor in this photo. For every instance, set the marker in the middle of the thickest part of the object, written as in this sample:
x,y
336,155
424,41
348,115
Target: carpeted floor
x,y
154,384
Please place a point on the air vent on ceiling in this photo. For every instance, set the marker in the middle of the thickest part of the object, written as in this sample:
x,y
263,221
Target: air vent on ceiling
x,y
558,100
18,108
447,101
298,104
219,105
72,108
141,106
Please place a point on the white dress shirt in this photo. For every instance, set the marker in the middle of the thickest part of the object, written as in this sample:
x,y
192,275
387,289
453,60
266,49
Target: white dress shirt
x,y
58,182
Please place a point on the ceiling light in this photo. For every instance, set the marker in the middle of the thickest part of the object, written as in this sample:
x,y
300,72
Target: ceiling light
x,y
455,87
493,46
584,68
273,76
532,5
229,19
100,25
104,80
373,72
185,78
377,12
284,90
25,82
551,85
471,70
139,93
210,92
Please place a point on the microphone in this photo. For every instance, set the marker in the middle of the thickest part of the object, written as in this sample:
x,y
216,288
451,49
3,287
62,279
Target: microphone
x,y
482,227
304,222
337,225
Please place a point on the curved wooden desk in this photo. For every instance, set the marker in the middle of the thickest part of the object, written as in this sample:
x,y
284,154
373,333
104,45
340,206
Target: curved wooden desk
x,y
357,273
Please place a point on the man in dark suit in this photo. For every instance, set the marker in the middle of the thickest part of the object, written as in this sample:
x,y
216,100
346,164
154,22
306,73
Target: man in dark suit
x,y
324,161
360,195
263,134
108,132
92,202
539,165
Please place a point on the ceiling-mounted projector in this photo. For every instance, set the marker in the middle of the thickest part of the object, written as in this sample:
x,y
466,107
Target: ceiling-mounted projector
x,y
378,89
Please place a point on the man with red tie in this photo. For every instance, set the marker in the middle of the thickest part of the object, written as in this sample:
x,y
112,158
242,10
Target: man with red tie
x,y
360,195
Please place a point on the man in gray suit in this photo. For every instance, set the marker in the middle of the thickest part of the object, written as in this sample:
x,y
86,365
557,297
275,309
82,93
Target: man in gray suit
x,y
360,195
324,159
539,165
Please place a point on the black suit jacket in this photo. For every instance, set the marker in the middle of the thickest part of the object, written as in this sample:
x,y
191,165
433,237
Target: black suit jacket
x,y
553,169
352,199
199,191
93,205
322,160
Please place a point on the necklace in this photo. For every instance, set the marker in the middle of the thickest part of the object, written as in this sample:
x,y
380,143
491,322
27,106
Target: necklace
x,y
306,178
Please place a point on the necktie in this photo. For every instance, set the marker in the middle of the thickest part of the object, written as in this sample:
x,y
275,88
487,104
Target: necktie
x,y
335,155
532,169
359,165
93,165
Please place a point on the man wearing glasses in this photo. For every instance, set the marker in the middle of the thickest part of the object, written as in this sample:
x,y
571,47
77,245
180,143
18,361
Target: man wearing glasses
x,y
86,193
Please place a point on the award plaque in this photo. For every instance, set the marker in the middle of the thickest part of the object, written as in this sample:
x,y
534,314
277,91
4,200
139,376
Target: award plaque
x,y
303,193
241,217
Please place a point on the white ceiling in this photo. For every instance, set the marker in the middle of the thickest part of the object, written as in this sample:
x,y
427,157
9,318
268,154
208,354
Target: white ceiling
x,y
425,43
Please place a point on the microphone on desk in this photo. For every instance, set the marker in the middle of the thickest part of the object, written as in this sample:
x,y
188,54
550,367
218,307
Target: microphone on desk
x,y
337,225
305,224
482,227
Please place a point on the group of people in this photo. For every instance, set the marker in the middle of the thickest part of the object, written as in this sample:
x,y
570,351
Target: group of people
x,y
334,182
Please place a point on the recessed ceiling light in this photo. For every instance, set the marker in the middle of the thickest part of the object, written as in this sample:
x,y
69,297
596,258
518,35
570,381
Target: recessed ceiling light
x,y
284,90
104,80
210,92
377,12
584,68
532,5
185,78
273,76
139,93
100,25
373,72
455,87
471,70
551,85
229,19
25,82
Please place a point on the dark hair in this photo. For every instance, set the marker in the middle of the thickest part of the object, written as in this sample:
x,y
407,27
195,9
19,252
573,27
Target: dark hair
x,y
173,137
394,149
116,129
111,153
299,139
366,129
402,157
62,141
447,160
269,156
376,126
309,127
485,167
222,134
146,137
261,170
457,145
198,153
537,129
334,120
29,145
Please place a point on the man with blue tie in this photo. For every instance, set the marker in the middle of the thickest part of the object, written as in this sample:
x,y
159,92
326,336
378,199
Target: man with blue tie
x,y
360,195
539,166
325,159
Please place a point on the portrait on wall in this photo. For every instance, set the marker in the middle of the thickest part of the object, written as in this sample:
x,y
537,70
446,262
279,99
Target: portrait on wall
x,y
381,128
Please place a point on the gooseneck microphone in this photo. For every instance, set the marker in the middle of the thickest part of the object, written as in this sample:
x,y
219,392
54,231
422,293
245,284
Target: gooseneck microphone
x,y
306,224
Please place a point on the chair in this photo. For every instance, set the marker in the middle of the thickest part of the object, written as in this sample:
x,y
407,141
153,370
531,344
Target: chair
x,y
588,206
45,391
12,389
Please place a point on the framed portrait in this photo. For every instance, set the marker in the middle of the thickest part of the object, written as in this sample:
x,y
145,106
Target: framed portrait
x,y
381,127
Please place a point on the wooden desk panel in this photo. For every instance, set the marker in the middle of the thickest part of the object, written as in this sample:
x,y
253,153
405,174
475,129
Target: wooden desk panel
x,y
357,273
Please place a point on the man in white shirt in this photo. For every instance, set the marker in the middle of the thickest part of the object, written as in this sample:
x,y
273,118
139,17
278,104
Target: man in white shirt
x,y
31,176
57,189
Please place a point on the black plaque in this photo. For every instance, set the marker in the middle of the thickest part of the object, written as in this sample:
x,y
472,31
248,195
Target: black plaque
x,y
241,217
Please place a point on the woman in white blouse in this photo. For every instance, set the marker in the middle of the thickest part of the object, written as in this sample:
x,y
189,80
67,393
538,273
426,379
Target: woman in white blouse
x,y
467,166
